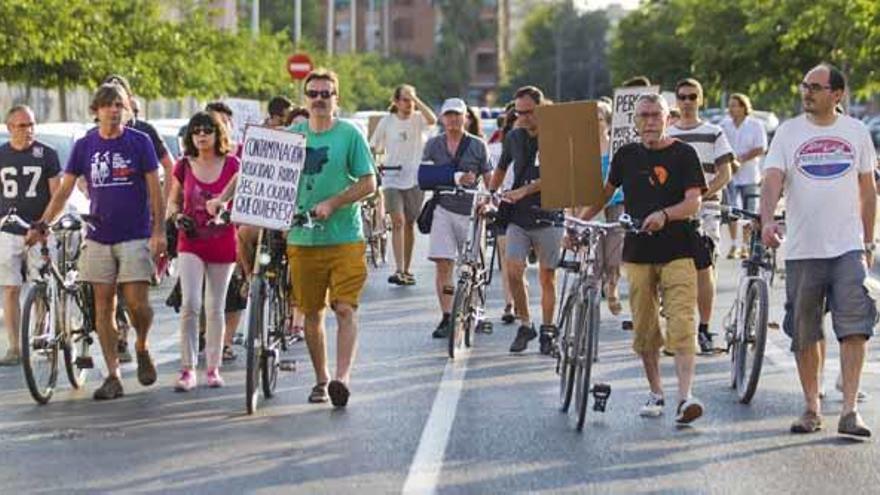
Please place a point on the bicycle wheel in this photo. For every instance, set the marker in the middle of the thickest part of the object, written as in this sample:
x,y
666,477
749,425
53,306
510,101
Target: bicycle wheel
x,y
589,335
753,340
39,347
75,341
254,342
274,337
565,361
458,319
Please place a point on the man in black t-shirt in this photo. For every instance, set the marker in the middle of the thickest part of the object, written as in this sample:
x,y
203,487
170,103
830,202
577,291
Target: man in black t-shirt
x,y
28,177
662,184
524,233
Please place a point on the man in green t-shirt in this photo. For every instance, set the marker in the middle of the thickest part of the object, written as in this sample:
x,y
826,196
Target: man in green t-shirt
x,y
338,173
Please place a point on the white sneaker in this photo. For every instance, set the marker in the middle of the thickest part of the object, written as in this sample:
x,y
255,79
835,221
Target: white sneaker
x,y
688,411
860,396
653,408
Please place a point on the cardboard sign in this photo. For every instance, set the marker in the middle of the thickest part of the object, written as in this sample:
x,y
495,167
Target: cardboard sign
x,y
244,112
569,155
623,127
271,164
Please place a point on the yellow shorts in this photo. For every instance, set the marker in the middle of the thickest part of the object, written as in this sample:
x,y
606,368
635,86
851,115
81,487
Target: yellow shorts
x,y
317,272
676,281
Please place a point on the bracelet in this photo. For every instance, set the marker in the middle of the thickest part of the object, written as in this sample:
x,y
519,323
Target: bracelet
x,y
665,216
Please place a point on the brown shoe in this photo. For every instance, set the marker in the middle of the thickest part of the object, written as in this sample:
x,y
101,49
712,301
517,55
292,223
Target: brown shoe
x,y
851,425
146,368
809,422
319,394
109,390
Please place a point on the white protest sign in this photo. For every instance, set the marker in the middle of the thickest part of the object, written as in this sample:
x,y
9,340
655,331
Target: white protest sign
x,y
623,128
271,164
244,112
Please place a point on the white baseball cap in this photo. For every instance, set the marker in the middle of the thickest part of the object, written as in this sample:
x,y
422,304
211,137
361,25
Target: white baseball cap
x,y
456,105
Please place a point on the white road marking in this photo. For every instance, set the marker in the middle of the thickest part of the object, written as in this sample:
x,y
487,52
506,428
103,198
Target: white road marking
x,y
424,472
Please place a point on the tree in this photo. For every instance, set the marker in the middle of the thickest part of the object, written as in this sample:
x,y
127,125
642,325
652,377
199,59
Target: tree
x,y
562,52
461,29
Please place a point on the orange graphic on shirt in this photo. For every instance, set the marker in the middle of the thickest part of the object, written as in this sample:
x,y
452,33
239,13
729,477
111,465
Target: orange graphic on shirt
x,y
659,176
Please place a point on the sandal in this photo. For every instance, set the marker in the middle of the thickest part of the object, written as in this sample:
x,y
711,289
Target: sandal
x,y
319,394
229,354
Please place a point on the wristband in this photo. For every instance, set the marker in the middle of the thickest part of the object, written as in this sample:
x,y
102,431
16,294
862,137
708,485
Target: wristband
x,y
665,216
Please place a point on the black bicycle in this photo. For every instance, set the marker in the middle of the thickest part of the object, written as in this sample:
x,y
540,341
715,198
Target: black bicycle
x,y
745,325
58,312
577,346
474,274
269,313
376,228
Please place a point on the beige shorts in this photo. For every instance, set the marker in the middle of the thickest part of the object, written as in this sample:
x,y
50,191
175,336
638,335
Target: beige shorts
x,y
129,261
676,281
407,202
13,256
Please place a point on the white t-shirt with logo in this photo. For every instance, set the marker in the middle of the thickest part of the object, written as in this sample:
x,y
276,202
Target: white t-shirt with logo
x,y
749,135
403,142
822,166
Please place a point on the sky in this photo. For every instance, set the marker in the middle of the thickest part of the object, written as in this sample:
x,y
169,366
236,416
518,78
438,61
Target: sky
x,y
601,4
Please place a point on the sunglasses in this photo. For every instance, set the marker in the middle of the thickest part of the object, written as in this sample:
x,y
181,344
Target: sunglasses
x,y
206,130
690,97
324,94
813,87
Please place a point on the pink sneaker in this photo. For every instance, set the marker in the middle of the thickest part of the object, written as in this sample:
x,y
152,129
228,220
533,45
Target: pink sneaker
x,y
186,381
214,378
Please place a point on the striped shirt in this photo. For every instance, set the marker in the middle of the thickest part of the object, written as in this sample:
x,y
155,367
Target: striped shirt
x,y
712,148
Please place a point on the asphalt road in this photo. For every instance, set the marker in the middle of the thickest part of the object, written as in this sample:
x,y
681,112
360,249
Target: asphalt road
x,y
417,423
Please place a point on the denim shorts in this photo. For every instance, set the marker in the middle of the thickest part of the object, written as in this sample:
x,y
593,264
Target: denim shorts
x,y
837,284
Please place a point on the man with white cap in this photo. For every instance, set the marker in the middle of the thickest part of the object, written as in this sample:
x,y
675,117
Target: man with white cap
x,y
449,229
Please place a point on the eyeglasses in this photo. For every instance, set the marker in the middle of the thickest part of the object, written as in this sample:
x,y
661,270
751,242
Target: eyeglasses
x,y
812,87
522,113
27,125
649,115
206,130
689,97
324,94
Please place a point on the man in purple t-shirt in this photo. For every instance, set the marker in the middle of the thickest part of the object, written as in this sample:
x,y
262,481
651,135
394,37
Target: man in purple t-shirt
x,y
120,168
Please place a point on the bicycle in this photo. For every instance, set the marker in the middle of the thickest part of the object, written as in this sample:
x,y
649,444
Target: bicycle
x,y
745,325
376,229
576,348
474,274
268,313
58,312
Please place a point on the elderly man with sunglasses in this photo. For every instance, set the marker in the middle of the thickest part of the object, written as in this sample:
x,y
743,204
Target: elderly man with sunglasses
x,y
327,264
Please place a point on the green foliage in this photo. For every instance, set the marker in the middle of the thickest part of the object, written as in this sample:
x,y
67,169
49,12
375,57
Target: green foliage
x,y
562,52
753,46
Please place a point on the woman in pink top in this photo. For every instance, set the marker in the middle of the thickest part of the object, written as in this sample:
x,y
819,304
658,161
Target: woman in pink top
x,y
207,251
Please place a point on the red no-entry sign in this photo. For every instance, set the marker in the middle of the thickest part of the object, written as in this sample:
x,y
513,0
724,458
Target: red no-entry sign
x,y
299,65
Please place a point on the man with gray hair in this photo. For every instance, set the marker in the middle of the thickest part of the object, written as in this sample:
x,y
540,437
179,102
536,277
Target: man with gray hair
x,y
662,185
29,177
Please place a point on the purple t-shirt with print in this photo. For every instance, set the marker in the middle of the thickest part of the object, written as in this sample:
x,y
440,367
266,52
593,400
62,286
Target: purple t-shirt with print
x,y
115,170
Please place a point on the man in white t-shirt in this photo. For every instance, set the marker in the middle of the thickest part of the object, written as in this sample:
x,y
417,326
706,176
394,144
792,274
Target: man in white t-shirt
x,y
824,161
716,156
401,135
748,139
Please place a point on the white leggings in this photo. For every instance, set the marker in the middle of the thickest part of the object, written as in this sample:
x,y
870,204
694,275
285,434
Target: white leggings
x,y
193,271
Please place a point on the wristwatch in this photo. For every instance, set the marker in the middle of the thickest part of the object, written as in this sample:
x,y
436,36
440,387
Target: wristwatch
x,y
870,247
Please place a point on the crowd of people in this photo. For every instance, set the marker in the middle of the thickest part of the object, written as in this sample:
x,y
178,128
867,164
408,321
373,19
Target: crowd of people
x,y
672,179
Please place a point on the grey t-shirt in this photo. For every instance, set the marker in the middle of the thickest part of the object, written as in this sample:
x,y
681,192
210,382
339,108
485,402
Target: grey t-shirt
x,y
474,158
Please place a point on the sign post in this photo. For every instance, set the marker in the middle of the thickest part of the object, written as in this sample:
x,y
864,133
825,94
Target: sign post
x,y
271,164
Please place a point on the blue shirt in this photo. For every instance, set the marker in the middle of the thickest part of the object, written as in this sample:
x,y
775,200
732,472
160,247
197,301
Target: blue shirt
x,y
617,199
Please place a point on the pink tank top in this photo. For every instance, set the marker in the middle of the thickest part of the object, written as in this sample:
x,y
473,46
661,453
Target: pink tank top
x,y
211,243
